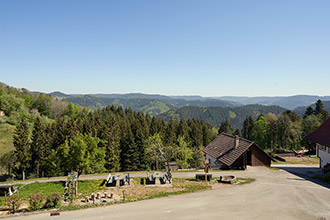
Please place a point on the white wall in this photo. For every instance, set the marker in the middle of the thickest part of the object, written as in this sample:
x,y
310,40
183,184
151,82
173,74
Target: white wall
x,y
324,154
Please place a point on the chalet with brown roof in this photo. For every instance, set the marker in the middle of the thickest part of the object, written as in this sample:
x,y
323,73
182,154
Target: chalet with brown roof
x,y
227,151
321,137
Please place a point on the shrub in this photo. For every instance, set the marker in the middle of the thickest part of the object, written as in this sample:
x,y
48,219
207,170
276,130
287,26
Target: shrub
x,y
52,200
36,201
13,203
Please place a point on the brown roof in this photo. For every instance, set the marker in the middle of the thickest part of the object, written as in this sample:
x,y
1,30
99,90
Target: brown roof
x,y
321,135
223,148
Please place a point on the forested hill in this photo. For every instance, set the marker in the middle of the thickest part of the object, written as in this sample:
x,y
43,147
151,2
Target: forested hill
x,y
216,115
301,110
152,104
289,102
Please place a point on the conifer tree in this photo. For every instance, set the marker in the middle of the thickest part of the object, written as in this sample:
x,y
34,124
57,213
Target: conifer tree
x,y
247,128
129,153
226,127
22,147
38,146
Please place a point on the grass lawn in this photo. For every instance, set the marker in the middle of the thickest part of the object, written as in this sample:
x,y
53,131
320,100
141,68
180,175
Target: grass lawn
x,y
299,160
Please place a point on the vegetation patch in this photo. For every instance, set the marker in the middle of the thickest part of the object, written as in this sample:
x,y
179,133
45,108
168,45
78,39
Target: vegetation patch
x,y
273,168
6,137
324,178
41,195
241,181
299,160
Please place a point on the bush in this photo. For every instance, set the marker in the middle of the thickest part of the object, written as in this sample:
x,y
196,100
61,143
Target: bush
x,y
52,200
36,201
13,203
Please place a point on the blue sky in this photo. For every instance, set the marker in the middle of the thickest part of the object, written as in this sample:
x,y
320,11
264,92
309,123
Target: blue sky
x,y
172,47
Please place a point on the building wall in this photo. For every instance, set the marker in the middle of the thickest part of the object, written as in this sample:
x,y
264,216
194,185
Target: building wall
x,y
213,163
323,153
258,157
239,163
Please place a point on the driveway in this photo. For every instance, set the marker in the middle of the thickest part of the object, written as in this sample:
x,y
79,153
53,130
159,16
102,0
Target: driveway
x,y
276,194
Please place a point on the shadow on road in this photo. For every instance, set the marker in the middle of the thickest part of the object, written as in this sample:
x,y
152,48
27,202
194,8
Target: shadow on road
x,y
307,173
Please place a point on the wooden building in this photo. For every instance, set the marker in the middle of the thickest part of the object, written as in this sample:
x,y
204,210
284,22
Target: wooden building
x,y
232,152
321,137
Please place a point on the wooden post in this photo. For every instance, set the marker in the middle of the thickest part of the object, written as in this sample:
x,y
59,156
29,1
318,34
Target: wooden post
x,y
206,169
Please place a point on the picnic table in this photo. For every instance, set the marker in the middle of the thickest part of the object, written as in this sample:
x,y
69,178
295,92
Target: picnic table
x,y
8,189
118,179
158,178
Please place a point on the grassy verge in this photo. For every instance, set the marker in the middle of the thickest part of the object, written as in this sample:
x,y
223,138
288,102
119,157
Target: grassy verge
x,y
324,178
273,168
299,160
241,181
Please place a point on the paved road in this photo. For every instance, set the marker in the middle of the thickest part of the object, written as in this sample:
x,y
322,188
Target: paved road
x,y
282,194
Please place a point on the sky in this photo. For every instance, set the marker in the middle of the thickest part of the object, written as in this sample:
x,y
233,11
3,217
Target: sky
x,y
174,47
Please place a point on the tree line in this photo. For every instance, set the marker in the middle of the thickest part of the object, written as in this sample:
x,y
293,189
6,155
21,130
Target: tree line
x,y
283,131
107,140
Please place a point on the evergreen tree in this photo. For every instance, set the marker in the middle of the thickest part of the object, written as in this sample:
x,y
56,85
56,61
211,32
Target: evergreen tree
x,y
21,141
140,132
318,107
226,127
247,128
113,149
38,146
237,132
309,111
129,154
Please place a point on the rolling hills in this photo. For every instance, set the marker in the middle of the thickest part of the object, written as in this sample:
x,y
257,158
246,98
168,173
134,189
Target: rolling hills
x,y
152,104
215,115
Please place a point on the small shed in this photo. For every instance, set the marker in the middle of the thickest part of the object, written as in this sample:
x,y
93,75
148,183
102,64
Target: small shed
x,y
233,152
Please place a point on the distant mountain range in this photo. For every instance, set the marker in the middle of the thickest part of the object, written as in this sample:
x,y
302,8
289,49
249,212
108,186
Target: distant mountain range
x,y
289,102
152,104
100,100
213,110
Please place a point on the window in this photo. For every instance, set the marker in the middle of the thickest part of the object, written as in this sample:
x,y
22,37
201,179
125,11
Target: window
x,y
323,147
329,150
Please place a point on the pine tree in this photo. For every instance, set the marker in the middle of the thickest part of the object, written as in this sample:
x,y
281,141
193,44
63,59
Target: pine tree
x,y
309,111
38,146
129,154
112,144
22,146
226,127
247,128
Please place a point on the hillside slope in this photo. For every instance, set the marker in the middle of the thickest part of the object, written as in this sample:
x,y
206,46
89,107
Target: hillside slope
x,y
215,115
289,102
